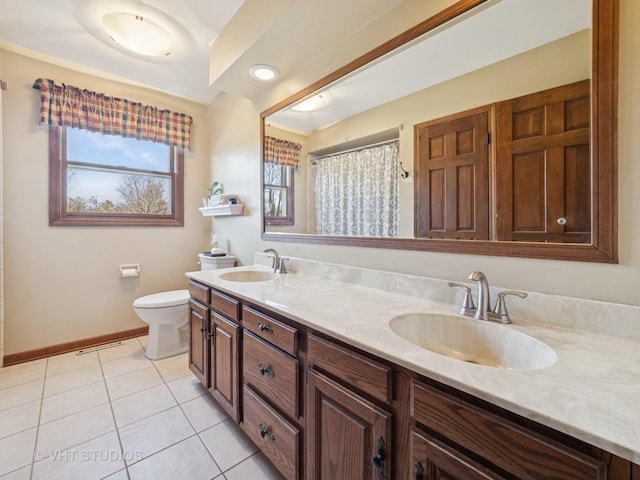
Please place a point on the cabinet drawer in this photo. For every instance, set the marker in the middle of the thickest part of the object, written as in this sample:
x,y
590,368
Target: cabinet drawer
x,y
271,373
515,449
369,376
225,305
199,292
278,440
281,335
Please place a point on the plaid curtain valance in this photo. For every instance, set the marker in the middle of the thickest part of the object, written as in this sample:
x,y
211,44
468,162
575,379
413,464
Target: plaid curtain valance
x,y
68,106
282,152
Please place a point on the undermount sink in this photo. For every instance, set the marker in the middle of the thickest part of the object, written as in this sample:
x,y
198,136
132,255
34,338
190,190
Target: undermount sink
x,y
248,276
474,341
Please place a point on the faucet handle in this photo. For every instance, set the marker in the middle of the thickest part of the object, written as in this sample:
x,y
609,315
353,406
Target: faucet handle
x,y
501,305
283,264
468,307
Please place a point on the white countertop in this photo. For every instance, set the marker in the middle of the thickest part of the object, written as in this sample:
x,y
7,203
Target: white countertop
x,y
592,392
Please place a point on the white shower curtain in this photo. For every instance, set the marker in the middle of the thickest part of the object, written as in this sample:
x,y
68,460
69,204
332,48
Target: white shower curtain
x,y
356,193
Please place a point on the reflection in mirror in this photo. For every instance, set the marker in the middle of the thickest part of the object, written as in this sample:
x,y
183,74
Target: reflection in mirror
x,y
487,57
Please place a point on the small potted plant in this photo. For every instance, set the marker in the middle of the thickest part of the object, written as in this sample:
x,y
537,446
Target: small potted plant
x,y
214,198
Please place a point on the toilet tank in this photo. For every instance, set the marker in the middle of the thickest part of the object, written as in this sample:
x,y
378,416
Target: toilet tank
x,y
207,262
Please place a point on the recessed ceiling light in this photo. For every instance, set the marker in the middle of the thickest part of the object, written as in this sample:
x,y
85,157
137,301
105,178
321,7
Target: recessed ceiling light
x,y
138,34
265,73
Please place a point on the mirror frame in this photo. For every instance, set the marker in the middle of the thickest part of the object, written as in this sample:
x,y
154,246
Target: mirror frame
x,y
604,150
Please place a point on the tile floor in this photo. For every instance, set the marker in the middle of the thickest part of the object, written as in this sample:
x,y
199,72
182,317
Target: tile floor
x,y
114,414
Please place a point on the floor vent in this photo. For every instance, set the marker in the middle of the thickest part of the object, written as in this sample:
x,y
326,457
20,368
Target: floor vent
x,y
99,347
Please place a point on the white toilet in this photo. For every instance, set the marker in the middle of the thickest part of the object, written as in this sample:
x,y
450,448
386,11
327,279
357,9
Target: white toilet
x,y
168,317
167,314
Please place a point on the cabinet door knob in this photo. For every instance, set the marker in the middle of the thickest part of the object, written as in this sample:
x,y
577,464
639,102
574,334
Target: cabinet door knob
x,y
264,370
264,432
378,459
419,471
562,221
265,328
202,330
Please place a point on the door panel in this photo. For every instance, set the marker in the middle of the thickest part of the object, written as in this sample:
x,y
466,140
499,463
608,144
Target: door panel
x,y
225,346
452,177
344,432
198,342
543,166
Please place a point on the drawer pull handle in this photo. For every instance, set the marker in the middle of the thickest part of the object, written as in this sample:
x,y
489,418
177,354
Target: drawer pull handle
x,y
378,459
419,471
264,370
264,432
265,328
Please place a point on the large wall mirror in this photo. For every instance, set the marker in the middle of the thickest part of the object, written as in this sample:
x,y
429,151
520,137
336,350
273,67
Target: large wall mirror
x,y
496,73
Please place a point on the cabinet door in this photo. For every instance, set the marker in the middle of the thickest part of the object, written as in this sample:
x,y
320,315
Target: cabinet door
x,y
434,460
225,357
198,342
348,437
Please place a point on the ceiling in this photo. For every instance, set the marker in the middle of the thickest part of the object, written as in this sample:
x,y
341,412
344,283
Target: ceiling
x,y
284,33
500,30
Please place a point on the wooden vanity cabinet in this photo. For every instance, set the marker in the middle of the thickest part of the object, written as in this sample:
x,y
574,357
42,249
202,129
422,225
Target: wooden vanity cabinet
x,y
320,409
224,348
349,431
455,439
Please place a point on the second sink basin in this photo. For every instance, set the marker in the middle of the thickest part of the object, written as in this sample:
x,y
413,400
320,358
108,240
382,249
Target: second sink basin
x,y
474,341
248,276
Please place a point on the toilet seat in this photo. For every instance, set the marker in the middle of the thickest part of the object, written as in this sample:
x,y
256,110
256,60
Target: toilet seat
x,y
163,299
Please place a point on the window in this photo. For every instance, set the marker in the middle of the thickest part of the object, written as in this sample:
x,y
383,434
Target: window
x,y
278,194
100,179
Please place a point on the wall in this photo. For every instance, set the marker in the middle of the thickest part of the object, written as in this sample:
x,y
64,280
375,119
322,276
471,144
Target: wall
x,y
615,283
234,128
1,231
62,283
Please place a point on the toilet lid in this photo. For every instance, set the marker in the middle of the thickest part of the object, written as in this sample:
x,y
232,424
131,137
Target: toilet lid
x,y
163,299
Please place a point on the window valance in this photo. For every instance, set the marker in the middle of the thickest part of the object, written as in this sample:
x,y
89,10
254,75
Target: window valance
x,y
282,152
68,106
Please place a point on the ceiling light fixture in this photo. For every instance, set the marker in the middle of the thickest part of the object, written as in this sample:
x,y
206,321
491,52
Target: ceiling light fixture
x,y
310,104
138,34
264,73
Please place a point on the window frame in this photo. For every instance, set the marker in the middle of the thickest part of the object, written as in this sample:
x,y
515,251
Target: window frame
x,y
59,216
289,218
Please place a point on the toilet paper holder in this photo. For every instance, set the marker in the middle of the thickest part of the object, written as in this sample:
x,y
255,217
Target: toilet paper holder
x,y
129,270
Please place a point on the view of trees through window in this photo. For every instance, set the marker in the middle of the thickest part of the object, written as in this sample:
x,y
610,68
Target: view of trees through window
x,y
275,190
278,194
117,175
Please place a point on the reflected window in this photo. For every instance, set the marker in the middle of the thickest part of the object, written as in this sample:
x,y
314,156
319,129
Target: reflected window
x,y
278,194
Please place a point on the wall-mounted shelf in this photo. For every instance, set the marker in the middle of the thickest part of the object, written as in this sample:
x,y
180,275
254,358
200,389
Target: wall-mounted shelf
x,y
220,210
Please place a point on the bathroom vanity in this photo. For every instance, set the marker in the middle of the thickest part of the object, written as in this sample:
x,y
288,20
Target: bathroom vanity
x,y
310,369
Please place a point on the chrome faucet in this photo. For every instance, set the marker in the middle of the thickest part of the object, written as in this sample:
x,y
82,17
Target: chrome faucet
x,y
484,302
483,311
278,263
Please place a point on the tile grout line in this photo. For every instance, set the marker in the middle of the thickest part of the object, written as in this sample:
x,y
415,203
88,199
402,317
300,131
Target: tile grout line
x,y
40,416
197,434
49,367
115,423
35,443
